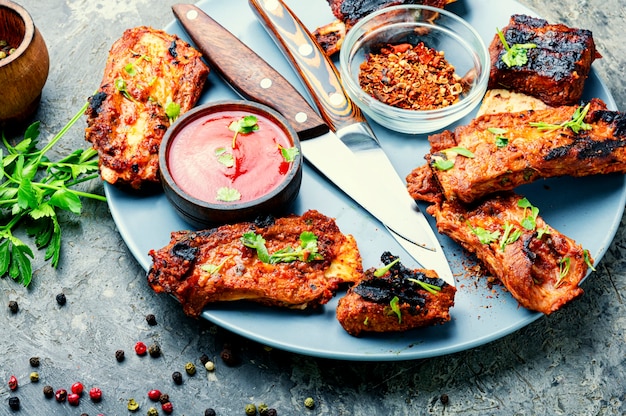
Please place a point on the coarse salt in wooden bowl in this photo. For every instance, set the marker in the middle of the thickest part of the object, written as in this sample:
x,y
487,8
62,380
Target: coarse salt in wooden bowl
x,y
23,71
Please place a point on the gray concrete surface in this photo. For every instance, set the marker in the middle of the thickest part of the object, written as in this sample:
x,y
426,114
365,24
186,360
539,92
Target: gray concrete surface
x,y
570,363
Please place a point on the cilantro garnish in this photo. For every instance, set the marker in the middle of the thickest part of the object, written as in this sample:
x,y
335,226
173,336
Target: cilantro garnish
x,y
172,110
576,123
564,266
517,54
289,153
442,163
307,251
394,304
510,235
485,236
120,85
501,141
225,158
530,221
246,124
227,194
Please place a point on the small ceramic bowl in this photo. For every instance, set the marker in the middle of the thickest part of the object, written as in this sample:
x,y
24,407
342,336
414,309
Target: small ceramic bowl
x,y
213,173
23,72
439,30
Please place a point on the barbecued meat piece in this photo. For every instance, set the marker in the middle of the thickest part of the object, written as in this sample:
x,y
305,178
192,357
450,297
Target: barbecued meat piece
x,y
510,149
558,63
147,73
348,12
539,266
201,267
369,306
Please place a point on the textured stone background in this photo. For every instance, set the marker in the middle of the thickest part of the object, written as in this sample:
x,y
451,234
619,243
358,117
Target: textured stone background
x,y
571,363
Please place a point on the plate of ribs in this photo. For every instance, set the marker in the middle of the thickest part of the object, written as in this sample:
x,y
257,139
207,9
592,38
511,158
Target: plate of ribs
x,y
529,185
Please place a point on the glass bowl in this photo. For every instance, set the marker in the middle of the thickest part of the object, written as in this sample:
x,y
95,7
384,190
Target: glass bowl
x,y
438,29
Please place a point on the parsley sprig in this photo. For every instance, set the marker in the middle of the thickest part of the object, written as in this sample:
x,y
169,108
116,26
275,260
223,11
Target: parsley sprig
x,y
32,190
307,251
516,54
576,123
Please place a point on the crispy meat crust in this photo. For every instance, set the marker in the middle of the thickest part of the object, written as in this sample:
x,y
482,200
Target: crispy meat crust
x,y
542,274
155,68
348,12
530,153
366,307
181,269
556,69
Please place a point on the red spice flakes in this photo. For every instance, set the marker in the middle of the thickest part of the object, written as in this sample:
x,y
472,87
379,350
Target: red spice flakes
x,y
411,77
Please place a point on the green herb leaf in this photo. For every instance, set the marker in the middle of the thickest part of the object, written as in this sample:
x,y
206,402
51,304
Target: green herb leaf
x,y
172,110
485,236
529,222
246,124
576,123
289,153
225,158
564,266
517,54
394,304
443,164
227,194
214,268
120,85
434,289
380,272
587,257
308,250
509,236
257,242
130,69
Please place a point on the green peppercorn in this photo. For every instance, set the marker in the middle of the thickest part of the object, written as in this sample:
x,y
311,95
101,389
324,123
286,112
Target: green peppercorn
x,y
34,377
34,361
250,409
309,403
153,412
132,405
262,407
3,54
177,377
190,368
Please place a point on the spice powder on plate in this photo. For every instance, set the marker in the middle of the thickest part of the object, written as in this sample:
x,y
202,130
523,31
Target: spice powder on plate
x,y
411,77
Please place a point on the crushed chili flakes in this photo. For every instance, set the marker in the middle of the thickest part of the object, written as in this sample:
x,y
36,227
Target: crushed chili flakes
x,y
411,77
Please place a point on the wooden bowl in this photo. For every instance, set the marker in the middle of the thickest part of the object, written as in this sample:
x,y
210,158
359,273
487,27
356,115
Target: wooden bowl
x,y
193,173
24,72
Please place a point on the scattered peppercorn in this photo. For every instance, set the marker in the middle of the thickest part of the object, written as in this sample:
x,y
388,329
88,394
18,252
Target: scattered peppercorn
x,y
262,407
151,319
13,306
210,412
132,405
14,403
73,399
250,409
209,365
119,355
309,403
140,348
5,49
61,299
60,395
164,398
177,377
444,399
152,412
167,407
13,383
271,412
34,377
154,350
154,395
48,391
228,357
34,361
190,368
95,394
78,388
204,359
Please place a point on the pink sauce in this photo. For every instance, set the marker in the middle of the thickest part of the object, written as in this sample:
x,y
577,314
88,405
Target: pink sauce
x,y
259,167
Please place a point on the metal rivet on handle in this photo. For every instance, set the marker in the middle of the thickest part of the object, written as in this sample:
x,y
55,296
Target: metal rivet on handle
x,y
305,49
192,14
301,117
265,83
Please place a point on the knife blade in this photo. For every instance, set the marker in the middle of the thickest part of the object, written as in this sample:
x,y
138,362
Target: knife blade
x,y
256,80
321,78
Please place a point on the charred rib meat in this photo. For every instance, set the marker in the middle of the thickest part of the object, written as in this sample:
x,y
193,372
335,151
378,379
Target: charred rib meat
x,y
348,12
148,74
559,60
367,307
506,150
215,265
539,266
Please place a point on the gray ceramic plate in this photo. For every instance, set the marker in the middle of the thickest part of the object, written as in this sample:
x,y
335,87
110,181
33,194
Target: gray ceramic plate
x,y
586,209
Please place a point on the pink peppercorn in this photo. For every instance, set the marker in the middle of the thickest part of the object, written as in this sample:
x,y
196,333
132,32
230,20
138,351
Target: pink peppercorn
x,y
73,399
154,395
140,348
13,383
95,394
77,388
167,407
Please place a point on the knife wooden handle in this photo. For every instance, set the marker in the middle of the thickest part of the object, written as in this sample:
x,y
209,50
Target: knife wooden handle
x,y
315,68
247,72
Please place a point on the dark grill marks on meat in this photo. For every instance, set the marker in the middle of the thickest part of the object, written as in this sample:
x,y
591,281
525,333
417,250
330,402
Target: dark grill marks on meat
x,y
556,69
366,306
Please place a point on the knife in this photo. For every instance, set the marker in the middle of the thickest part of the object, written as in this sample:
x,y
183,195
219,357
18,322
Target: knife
x,y
256,80
322,79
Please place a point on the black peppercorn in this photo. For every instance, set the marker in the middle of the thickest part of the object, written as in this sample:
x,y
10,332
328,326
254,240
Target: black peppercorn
x,y
119,355
204,359
209,412
164,398
48,391
177,377
34,361
271,412
151,319
14,403
154,350
228,357
13,306
61,299
444,399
